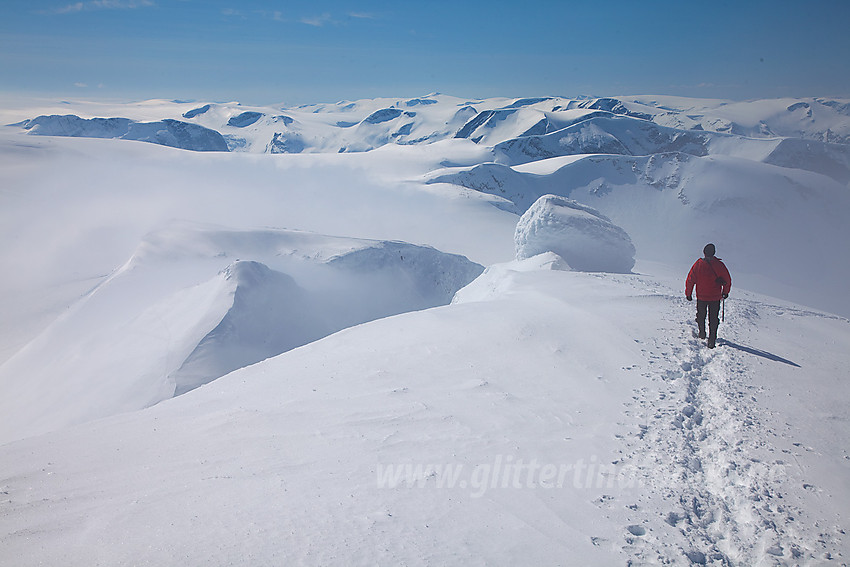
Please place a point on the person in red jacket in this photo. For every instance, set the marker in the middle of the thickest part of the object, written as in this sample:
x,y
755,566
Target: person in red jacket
x,y
713,283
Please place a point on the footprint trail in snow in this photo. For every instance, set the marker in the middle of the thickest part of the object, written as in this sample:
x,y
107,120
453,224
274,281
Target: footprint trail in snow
x,y
713,485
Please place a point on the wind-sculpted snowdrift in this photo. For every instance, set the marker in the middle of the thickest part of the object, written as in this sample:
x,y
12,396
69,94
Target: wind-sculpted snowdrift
x,y
196,303
584,238
670,203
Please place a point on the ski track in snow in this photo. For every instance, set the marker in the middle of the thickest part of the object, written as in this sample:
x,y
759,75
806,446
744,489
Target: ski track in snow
x,y
712,488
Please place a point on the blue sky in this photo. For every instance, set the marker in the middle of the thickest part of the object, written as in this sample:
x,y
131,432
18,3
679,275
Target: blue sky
x,y
329,50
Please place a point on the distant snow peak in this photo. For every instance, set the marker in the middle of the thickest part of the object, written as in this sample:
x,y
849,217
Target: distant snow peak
x,y
521,130
614,106
528,102
580,234
603,134
167,132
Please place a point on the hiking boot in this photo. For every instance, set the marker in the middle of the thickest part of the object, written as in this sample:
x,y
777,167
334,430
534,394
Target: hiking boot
x,y
712,336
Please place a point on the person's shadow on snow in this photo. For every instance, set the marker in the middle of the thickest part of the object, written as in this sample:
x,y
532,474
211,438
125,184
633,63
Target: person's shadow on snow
x,y
757,352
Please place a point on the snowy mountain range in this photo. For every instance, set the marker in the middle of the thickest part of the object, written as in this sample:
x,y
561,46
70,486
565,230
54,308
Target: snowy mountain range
x,y
419,331
366,124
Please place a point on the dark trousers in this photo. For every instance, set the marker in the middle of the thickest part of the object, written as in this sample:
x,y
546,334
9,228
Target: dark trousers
x,y
712,309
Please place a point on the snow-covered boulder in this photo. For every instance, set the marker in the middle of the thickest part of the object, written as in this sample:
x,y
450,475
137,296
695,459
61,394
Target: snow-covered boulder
x,y
581,235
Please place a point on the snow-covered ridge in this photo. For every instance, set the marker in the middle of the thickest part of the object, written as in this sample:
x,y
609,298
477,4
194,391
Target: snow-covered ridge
x,y
197,302
573,411
354,389
167,132
628,136
367,124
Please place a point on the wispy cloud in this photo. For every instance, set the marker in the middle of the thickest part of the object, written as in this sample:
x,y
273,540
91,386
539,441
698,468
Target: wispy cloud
x,y
275,15
89,5
78,7
318,21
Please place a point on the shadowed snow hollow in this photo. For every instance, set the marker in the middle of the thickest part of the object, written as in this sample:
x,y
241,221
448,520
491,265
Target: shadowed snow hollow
x,y
579,234
195,303
270,314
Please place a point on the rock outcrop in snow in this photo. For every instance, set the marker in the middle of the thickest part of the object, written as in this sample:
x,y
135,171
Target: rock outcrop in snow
x,y
244,119
587,240
197,111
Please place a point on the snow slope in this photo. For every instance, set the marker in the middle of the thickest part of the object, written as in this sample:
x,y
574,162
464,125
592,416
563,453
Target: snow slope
x,y
289,368
545,417
780,226
195,303
73,210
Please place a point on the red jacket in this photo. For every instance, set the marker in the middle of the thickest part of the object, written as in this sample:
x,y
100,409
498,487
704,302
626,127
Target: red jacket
x,y
704,275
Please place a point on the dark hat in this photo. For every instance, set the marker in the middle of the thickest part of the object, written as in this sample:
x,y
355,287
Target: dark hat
x,y
708,250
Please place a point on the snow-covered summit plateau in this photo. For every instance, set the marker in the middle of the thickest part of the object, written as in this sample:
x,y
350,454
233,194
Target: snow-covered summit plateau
x,y
423,331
